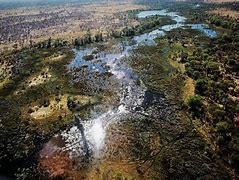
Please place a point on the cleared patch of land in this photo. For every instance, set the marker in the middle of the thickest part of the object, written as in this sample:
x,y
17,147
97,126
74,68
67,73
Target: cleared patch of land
x,y
26,26
44,76
188,89
55,57
225,12
220,1
36,79
53,107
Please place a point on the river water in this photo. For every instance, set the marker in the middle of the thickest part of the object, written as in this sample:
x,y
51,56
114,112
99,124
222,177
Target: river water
x,y
87,137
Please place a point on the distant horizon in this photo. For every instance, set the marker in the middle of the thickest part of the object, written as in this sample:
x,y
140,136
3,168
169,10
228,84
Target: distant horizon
x,y
10,4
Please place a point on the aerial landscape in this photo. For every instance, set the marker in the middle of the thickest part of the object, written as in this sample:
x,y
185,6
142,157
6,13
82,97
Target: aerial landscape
x,y
119,89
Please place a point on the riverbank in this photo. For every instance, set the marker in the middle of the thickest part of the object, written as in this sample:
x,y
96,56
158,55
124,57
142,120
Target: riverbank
x,y
108,110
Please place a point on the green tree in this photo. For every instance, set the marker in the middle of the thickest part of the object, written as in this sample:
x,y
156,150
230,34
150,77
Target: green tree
x,y
49,43
222,127
201,86
195,105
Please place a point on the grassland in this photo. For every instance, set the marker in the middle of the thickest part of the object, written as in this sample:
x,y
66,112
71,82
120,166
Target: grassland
x,y
225,12
166,140
37,101
66,22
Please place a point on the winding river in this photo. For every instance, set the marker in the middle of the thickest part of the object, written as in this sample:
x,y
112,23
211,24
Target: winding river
x,y
87,137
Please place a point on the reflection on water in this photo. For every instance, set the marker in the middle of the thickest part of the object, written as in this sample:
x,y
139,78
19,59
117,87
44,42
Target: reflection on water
x,y
197,5
180,22
130,97
174,16
93,65
86,139
148,38
204,28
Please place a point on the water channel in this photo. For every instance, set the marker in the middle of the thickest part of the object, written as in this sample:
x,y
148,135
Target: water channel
x,y
87,137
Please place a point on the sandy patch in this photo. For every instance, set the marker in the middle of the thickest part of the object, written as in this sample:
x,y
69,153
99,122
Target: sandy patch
x,y
5,73
43,77
189,89
225,12
36,79
5,69
54,107
55,57
177,65
4,83
120,170
219,1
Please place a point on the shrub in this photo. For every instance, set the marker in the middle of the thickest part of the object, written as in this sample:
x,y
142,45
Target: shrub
x,y
222,127
195,105
201,86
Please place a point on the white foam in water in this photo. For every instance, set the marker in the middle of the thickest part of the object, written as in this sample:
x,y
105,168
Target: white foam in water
x,y
94,129
97,134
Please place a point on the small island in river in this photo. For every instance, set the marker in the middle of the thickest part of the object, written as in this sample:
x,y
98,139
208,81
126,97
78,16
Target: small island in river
x,y
119,90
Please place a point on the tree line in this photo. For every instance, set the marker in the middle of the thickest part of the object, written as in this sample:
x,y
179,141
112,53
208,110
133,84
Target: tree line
x,y
128,31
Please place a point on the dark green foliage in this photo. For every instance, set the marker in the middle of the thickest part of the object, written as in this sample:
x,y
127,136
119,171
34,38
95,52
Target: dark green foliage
x,y
225,22
234,147
215,69
222,127
49,43
196,106
201,86
99,37
21,138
